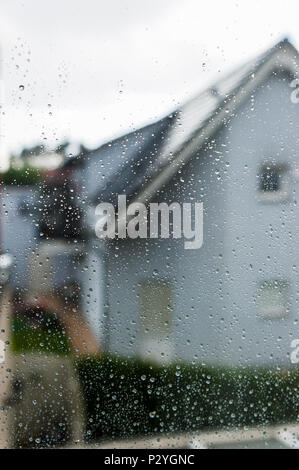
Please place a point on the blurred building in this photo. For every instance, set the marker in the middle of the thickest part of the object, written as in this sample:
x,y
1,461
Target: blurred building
x,y
38,211
19,229
234,301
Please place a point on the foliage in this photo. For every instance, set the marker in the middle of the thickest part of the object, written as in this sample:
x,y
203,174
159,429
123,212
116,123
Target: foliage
x,y
129,397
126,397
25,176
46,337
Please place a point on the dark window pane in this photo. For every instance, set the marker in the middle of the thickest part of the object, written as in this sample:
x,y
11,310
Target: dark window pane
x,y
270,180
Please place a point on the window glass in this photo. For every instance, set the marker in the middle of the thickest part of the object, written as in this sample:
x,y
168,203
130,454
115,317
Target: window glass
x,y
149,248
156,320
273,299
270,179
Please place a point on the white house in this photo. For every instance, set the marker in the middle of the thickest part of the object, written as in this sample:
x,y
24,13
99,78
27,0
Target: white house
x,y
235,149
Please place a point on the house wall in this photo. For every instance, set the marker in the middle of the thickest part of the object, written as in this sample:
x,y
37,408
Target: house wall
x,y
261,240
246,241
18,231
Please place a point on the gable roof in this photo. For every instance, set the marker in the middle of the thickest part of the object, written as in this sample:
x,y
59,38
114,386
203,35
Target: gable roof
x,y
137,152
203,115
195,122
152,155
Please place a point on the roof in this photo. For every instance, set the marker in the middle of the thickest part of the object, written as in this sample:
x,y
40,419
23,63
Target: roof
x,y
153,154
137,153
202,116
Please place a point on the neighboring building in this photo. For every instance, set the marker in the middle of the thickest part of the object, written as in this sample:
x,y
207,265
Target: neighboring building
x,y
38,211
234,301
19,234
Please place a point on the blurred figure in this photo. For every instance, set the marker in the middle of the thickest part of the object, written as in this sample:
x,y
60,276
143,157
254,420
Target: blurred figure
x,y
64,302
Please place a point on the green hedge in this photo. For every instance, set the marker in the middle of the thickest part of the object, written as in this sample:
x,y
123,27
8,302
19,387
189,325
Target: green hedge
x,y
26,176
130,397
47,337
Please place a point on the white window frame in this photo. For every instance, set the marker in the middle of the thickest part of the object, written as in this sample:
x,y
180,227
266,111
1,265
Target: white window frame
x,y
155,346
276,307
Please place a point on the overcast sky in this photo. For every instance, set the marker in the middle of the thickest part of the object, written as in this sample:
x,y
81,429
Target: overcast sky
x,y
89,70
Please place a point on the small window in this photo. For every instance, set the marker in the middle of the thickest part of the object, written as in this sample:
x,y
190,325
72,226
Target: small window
x,y
156,321
274,184
273,299
270,179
